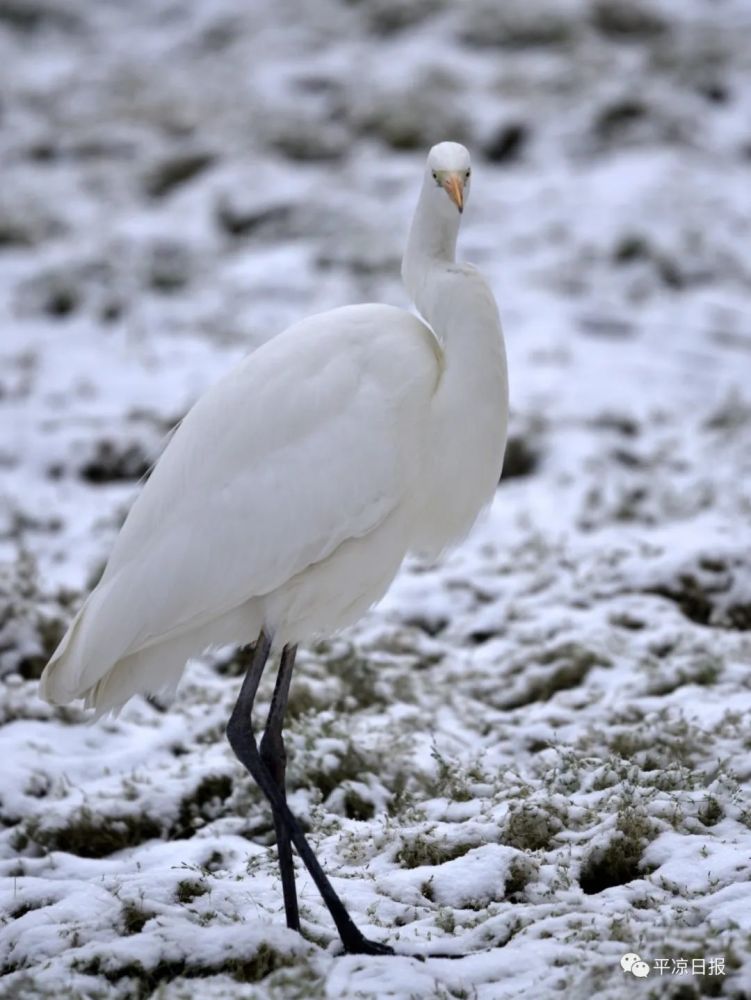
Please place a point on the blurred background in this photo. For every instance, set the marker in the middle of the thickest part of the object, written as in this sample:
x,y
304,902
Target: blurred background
x,y
181,180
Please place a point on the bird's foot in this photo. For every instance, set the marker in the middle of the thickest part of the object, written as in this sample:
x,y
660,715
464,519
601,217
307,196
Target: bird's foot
x,y
362,946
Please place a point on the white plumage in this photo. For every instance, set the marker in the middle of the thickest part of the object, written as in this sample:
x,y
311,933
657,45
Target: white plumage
x,y
291,492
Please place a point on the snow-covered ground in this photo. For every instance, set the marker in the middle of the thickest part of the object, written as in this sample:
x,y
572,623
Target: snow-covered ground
x,y
535,756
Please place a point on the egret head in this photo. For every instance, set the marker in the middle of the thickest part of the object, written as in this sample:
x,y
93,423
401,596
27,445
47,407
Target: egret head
x,y
449,173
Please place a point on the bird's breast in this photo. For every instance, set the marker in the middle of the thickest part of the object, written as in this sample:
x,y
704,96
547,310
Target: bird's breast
x,y
464,450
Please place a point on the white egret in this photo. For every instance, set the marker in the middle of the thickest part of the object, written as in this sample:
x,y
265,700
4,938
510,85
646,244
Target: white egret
x,y
287,499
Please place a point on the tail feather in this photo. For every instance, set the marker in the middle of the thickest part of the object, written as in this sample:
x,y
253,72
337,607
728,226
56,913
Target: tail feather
x,y
87,651
154,670
56,684
86,665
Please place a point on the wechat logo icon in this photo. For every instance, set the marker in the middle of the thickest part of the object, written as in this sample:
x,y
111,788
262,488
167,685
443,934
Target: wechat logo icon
x,y
633,964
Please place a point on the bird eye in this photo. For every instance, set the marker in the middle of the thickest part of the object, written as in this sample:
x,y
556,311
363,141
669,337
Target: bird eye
x,y
435,175
468,172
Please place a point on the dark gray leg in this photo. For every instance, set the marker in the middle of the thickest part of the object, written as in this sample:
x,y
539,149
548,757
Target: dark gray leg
x,y
274,757
242,740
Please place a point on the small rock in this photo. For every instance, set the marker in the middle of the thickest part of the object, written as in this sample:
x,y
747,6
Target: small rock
x,y
521,458
169,266
507,143
176,170
115,462
632,20
238,220
516,25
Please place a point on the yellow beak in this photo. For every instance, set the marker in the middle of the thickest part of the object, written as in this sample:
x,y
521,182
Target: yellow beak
x,y
454,188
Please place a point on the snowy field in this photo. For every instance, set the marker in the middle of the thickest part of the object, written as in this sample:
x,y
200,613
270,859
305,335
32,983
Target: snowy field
x,y
535,756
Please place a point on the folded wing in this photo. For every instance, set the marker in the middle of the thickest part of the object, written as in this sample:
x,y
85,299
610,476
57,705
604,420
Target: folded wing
x,y
313,439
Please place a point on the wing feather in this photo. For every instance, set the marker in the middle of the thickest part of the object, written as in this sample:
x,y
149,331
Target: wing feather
x,y
312,440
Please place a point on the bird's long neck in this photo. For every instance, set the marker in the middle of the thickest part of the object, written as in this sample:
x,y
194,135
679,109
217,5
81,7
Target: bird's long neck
x,y
431,249
467,430
453,298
